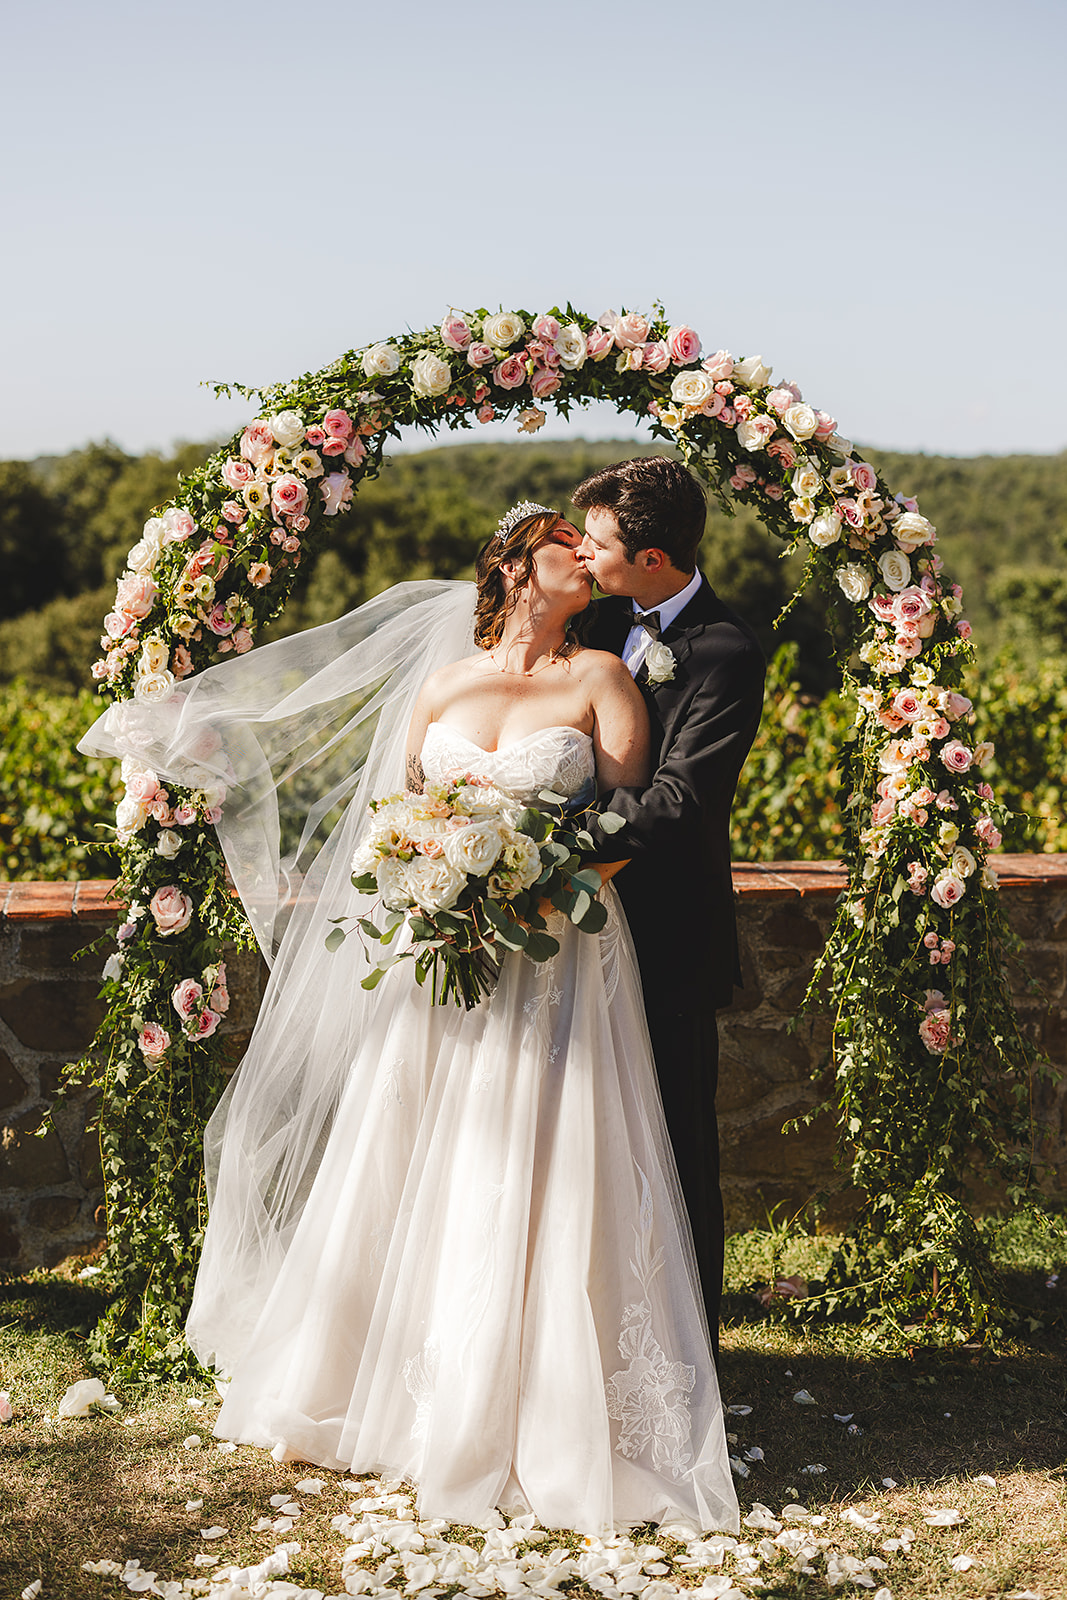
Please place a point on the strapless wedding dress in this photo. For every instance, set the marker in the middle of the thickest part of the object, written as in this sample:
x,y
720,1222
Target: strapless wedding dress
x,y
492,1288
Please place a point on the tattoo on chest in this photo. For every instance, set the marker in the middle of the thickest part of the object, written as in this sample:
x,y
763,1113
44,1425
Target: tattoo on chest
x,y
416,776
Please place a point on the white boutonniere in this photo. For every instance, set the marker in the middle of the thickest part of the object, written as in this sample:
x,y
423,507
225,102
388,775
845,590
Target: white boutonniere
x,y
659,662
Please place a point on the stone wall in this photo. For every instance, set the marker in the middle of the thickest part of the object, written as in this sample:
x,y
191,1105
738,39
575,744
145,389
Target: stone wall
x,y
51,1199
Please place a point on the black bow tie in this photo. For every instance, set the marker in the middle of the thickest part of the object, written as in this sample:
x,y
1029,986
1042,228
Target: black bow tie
x,y
649,620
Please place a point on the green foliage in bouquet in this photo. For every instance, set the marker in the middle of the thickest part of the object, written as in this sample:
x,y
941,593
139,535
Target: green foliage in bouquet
x,y
929,1091
465,908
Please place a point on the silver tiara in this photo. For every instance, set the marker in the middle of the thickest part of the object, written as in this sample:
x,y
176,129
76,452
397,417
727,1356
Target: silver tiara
x,y
519,513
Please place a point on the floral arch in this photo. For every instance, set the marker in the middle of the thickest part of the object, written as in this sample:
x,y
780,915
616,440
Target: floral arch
x,y
930,1074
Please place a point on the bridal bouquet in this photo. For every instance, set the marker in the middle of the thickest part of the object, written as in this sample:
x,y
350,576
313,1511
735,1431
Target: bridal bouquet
x,y
462,870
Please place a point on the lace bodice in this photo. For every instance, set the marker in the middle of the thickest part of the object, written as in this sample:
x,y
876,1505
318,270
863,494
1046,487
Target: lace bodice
x,y
559,758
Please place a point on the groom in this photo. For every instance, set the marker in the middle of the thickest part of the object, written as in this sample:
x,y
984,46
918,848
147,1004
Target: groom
x,y
700,670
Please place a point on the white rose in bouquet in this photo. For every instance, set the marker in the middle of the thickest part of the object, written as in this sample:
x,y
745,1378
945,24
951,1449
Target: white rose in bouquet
x,y
154,686
430,376
571,347
393,883
130,818
474,849
486,800
381,360
521,855
896,569
432,882
502,329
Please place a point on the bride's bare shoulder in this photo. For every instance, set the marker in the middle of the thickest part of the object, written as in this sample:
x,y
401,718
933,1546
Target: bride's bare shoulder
x,y
450,677
601,665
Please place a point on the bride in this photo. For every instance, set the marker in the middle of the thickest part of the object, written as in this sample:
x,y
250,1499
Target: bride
x,y
450,1246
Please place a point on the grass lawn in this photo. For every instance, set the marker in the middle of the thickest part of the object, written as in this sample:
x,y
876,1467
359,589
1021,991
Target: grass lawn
x,y
977,1432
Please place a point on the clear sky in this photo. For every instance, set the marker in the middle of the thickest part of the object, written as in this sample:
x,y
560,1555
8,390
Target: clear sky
x,y
869,193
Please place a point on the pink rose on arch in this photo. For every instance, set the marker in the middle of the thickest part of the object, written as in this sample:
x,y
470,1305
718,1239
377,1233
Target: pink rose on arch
x,y
543,382
851,512
257,443
911,605
890,721
742,476
142,787
181,662
289,496
988,832
485,413
237,474
882,812
242,640
455,332
882,606
727,416
963,628
334,447
632,331
656,357
684,345
955,756
184,814
178,525
205,1024
290,543
355,452
917,876
259,574
314,437
135,594
956,705
338,424
117,624
827,425
783,450
908,645
185,997
906,704
480,355
719,366
336,490
985,792
234,512
219,998
935,1031
599,343
948,889
863,476
172,911
774,491
713,406
219,622
510,373
153,1041
546,328
742,405
781,399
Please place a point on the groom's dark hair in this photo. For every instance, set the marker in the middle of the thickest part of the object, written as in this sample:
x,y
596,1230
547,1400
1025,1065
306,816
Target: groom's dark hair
x,y
657,503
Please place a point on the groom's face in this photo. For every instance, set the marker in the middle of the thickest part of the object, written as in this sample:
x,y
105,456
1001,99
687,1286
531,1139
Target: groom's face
x,y
604,554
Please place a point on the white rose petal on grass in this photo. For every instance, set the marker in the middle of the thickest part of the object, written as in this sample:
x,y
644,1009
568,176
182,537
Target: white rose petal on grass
x,y
103,1569
311,1486
755,1454
843,1416
739,1411
195,1405
192,1442
213,1533
962,1563
889,1483
264,1525
32,1590
80,1398
194,1505
803,1398
202,1559
738,1468
226,1447
814,1468
984,1478
945,1517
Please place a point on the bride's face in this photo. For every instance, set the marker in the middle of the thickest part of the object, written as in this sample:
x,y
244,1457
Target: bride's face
x,y
558,572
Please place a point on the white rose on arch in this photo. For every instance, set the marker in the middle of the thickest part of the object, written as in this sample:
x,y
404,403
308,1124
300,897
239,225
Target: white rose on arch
x,y
288,429
896,569
912,530
430,376
571,347
806,481
752,372
826,529
151,687
800,420
853,580
502,329
381,360
692,387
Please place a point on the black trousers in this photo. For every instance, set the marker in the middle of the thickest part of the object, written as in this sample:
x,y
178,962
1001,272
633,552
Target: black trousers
x,y
685,1042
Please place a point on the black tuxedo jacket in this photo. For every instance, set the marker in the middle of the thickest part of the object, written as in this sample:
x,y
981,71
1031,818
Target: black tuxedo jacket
x,y
677,890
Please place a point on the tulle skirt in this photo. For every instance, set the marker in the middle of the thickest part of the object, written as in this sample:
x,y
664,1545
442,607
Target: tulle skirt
x,y
491,1289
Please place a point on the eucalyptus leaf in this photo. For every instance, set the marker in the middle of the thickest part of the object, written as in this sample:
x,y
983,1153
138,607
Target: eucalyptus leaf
x,y
335,939
541,946
611,822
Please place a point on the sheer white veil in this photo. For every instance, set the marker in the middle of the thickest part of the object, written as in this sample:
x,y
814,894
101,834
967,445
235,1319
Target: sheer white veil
x,y
302,733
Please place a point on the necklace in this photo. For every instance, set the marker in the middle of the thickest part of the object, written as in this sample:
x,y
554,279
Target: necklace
x,y
549,661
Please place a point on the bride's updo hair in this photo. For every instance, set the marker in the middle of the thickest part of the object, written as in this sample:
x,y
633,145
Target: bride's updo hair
x,y
496,595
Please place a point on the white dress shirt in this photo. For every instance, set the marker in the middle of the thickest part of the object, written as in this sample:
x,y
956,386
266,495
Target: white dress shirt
x,y
638,639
